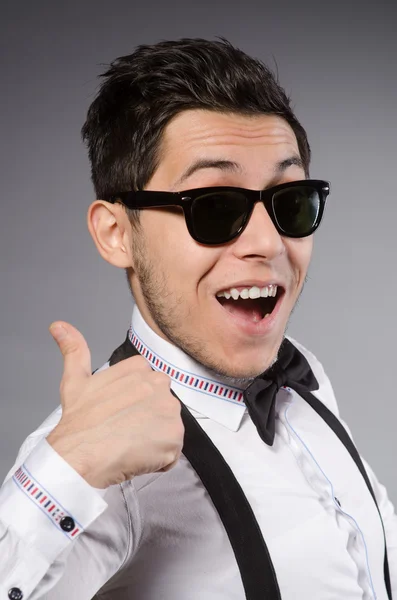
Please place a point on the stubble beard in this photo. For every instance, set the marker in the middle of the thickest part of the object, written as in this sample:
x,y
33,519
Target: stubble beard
x,y
167,310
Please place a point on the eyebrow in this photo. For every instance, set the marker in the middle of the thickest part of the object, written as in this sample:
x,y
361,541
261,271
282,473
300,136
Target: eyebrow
x,y
233,167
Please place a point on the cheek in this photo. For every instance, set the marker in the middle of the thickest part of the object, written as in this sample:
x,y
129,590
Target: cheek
x,y
165,231
181,260
300,252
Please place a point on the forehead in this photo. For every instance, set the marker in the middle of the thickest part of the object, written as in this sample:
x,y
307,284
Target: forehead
x,y
201,133
211,127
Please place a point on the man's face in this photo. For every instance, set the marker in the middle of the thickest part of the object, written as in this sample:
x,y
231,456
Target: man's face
x,y
176,280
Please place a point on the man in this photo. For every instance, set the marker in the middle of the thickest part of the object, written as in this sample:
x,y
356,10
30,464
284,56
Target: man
x,y
214,465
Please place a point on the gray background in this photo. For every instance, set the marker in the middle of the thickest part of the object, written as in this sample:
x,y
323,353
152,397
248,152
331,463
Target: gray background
x,y
339,65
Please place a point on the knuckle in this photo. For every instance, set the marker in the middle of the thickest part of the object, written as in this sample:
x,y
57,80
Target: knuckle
x,y
177,407
180,435
146,388
178,453
159,377
175,411
173,456
166,468
170,405
181,424
138,361
180,431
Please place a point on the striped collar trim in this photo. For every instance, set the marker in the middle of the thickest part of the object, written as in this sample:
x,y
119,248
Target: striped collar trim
x,y
187,379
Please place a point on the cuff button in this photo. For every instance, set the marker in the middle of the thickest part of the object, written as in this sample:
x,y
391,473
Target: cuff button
x,y
15,594
67,523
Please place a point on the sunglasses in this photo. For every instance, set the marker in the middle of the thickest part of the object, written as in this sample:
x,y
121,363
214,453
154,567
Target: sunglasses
x,y
216,215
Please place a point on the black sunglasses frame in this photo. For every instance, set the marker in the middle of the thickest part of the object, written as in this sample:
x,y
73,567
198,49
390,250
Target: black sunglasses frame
x,y
185,199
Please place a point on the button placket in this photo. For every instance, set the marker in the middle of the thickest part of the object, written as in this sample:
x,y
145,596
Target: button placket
x,y
319,482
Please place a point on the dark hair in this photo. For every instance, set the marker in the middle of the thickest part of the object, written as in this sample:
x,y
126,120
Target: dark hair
x,y
143,91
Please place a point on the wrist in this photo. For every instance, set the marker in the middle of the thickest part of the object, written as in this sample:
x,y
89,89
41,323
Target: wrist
x,y
70,453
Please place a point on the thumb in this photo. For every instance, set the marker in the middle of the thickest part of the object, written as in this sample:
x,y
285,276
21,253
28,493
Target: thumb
x,y
76,356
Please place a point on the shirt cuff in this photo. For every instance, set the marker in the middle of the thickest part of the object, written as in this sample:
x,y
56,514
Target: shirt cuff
x,y
44,490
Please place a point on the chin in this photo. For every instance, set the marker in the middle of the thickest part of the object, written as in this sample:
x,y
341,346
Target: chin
x,y
251,362
245,369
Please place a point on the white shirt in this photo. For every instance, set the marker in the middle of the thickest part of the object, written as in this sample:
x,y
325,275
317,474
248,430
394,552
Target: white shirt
x,y
159,536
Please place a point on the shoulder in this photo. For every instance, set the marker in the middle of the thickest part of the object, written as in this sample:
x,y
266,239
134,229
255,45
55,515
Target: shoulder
x,y
325,393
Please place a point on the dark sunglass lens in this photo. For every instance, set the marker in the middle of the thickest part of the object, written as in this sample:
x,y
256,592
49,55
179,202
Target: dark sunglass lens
x,y
297,209
217,216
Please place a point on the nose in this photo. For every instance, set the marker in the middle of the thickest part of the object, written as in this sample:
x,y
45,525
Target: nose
x,y
260,238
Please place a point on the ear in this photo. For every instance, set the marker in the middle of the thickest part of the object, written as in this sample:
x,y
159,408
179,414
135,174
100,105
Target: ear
x,y
110,229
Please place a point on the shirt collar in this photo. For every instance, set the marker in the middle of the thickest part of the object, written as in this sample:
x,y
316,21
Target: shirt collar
x,y
193,384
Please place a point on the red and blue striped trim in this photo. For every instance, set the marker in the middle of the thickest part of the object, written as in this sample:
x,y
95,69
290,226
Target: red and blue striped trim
x,y
43,500
194,382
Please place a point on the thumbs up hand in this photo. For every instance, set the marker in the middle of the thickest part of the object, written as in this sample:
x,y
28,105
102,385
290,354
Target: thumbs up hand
x,y
120,422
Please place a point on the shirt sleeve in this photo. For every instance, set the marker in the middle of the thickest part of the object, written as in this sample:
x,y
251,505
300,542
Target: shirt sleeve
x,y
45,506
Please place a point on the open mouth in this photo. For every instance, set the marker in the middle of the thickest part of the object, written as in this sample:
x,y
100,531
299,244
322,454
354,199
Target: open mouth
x,y
241,303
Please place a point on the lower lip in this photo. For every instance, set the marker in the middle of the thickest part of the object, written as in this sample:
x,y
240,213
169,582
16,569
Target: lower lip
x,y
255,328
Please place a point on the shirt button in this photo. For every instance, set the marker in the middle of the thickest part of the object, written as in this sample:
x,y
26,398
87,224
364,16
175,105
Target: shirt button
x,y
67,523
337,501
15,594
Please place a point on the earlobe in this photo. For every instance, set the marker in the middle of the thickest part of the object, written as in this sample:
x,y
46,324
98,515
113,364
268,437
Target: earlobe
x,y
107,227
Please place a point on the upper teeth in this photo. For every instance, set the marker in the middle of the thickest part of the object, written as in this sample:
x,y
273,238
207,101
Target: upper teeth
x,y
253,292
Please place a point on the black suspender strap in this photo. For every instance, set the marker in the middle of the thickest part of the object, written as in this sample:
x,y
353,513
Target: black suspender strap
x,y
253,558
252,555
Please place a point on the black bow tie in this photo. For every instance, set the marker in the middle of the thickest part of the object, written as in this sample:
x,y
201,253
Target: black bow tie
x,y
291,369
